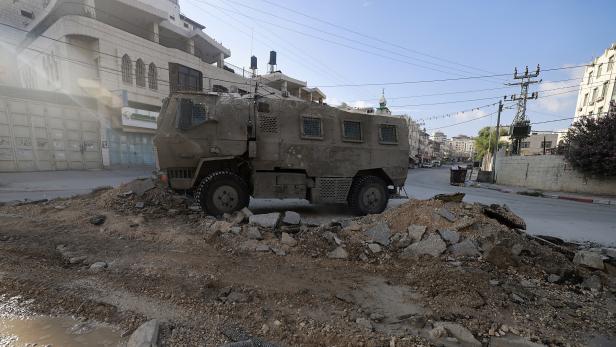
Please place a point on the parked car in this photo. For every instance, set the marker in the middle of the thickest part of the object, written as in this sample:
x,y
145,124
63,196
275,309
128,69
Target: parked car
x,y
427,164
436,163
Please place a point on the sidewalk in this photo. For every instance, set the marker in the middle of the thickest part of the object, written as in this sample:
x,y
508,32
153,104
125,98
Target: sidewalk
x,y
53,184
585,198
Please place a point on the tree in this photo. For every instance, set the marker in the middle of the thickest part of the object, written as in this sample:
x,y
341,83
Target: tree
x,y
485,143
590,145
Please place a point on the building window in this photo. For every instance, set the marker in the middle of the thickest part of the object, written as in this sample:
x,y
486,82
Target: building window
x,y
152,76
600,111
585,99
604,90
351,130
388,134
594,96
311,127
183,78
590,78
610,63
599,70
127,70
524,144
140,73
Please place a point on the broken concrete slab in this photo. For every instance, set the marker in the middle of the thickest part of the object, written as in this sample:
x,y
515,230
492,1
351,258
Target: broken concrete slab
x,y
433,245
449,236
146,335
416,232
466,248
253,233
400,241
504,216
379,233
338,253
291,218
589,259
455,197
464,336
98,266
288,240
266,220
140,186
445,213
374,248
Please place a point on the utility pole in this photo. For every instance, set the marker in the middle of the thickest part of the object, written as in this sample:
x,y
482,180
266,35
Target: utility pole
x,y
500,109
520,127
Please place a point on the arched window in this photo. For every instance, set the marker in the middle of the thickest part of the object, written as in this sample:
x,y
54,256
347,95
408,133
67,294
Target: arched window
x,y
152,77
140,73
127,69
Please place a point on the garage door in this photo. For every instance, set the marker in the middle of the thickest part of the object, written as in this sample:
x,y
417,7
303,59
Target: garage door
x,y
38,136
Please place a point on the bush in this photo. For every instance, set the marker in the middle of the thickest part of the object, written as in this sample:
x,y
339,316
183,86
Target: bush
x,y
590,145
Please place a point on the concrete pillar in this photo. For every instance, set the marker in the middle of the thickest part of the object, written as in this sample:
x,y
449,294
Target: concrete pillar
x,y
299,92
311,99
320,101
284,86
155,33
190,46
221,60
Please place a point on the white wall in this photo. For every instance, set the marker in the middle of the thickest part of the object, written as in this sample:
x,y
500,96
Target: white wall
x,y
548,173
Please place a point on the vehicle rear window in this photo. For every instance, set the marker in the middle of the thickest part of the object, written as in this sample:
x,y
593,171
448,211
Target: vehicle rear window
x,y
191,114
388,134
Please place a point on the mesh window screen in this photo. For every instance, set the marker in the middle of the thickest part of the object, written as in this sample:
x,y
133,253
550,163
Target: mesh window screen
x,y
388,134
312,127
352,130
199,114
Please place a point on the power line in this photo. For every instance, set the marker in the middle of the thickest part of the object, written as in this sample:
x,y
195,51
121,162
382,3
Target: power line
x,y
371,37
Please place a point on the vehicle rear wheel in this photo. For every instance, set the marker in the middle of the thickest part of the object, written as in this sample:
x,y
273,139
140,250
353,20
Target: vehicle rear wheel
x,y
222,192
368,195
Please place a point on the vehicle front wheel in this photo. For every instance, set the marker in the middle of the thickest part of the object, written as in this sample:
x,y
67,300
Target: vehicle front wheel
x,y
368,195
222,192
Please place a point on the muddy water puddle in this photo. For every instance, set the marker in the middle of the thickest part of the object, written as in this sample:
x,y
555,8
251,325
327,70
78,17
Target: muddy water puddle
x,y
56,332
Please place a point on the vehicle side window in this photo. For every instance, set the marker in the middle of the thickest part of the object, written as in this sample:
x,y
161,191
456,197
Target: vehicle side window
x,y
191,114
311,127
352,131
388,134
263,107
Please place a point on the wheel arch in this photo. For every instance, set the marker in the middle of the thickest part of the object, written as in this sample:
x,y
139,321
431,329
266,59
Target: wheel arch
x,y
380,173
229,163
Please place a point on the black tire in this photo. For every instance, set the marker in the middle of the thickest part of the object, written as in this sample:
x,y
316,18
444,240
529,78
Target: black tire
x,y
222,192
368,195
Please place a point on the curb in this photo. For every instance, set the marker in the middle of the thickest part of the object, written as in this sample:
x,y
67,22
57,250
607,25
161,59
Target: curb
x,y
562,197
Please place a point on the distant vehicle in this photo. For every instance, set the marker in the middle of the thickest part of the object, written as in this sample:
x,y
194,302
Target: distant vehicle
x,y
227,148
436,163
427,164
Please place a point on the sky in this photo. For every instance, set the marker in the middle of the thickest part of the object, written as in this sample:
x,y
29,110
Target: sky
x,y
386,43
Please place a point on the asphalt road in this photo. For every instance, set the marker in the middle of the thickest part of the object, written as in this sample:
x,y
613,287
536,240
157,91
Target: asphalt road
x,y
566,219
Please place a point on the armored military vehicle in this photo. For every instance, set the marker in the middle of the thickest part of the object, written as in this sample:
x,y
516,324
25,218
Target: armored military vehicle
x,y
226,148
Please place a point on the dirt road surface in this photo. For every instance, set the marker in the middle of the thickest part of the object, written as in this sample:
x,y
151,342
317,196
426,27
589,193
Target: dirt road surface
x,y
108,261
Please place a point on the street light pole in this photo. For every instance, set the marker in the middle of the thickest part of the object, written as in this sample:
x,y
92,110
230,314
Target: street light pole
x,y
500,109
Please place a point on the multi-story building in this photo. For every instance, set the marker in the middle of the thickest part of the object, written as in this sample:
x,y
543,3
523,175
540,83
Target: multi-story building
x,y
539,143
597,86
462,147
126,54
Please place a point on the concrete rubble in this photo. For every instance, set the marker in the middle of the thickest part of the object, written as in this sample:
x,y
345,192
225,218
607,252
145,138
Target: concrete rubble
x,y
428,272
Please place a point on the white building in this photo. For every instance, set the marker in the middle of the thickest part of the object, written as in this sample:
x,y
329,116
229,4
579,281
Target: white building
x,y
539,143
597,86
126,54
462,147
